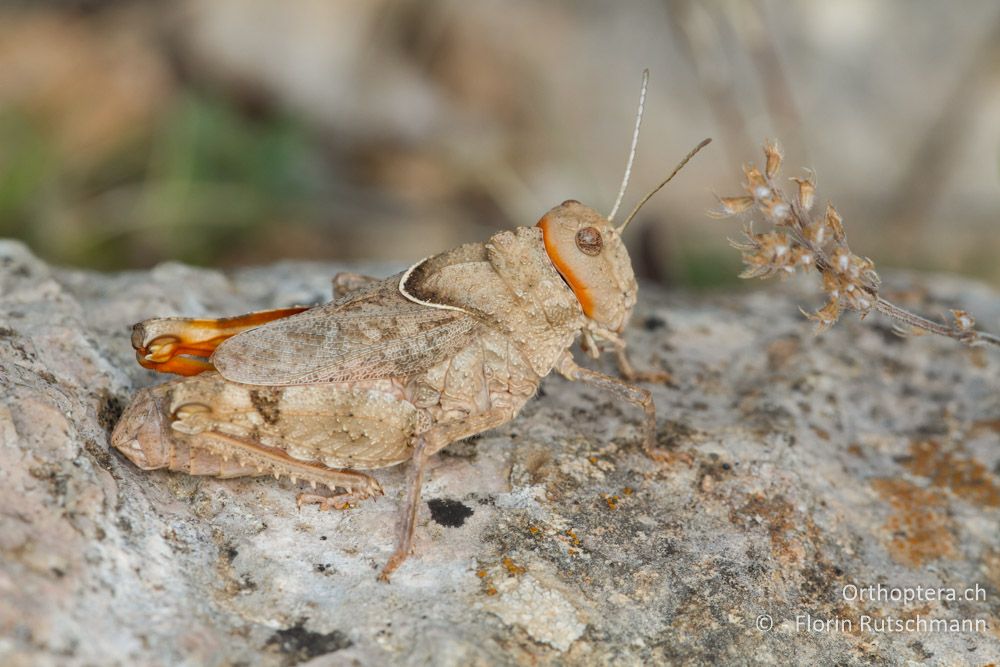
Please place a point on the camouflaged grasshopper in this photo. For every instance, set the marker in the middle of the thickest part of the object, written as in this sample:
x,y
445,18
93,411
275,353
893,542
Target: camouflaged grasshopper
x,y
393,369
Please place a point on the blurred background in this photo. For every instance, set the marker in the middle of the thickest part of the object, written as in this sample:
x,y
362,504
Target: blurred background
x,y
230,132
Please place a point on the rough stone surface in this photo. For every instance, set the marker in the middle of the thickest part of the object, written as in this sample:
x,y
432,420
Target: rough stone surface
x,y
803,465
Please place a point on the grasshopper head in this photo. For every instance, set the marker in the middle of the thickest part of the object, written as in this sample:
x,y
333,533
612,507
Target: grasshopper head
x,y
139,433
589,254
587,249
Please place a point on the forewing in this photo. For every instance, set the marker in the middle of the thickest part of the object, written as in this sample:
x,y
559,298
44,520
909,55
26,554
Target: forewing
x,y
376,333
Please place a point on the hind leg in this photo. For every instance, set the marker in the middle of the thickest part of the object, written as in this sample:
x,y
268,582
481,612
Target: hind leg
x,y
169,344
154,433
174,344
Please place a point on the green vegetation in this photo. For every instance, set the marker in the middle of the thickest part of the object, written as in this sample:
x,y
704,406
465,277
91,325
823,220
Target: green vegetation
x,y
193,187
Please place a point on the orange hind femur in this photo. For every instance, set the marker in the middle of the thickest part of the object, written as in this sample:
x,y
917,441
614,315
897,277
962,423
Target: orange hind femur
x,y
182,345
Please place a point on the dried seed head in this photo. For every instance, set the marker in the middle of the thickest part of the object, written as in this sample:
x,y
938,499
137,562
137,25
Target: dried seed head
x,y
826,316
865,269
773,158
963,320
779,211
807,192
859,300
841,260
732,206
850,281
816,234
836,223
756,185
832,285
766,206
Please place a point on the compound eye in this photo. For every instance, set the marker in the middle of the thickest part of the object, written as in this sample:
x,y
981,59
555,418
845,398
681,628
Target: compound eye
x,y
589,241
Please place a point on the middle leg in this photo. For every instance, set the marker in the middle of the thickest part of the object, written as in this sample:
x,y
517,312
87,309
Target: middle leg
x,y
631,393
629,372
428,444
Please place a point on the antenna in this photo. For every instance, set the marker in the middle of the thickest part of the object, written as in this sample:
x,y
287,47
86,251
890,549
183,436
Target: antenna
x,y
635,143
652,192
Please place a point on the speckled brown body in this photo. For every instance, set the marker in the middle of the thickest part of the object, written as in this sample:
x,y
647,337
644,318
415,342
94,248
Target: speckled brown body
x,y
394,369
526,317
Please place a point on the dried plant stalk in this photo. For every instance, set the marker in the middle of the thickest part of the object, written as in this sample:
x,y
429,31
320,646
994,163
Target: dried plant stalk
x,y
801,239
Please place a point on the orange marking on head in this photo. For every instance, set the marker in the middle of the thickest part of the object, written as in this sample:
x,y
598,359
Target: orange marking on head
x,y
580,289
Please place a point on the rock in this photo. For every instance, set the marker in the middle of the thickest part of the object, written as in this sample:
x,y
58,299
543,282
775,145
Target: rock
x,y
806,470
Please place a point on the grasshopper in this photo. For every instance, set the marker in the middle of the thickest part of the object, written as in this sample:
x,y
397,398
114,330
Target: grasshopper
x,y
392,369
